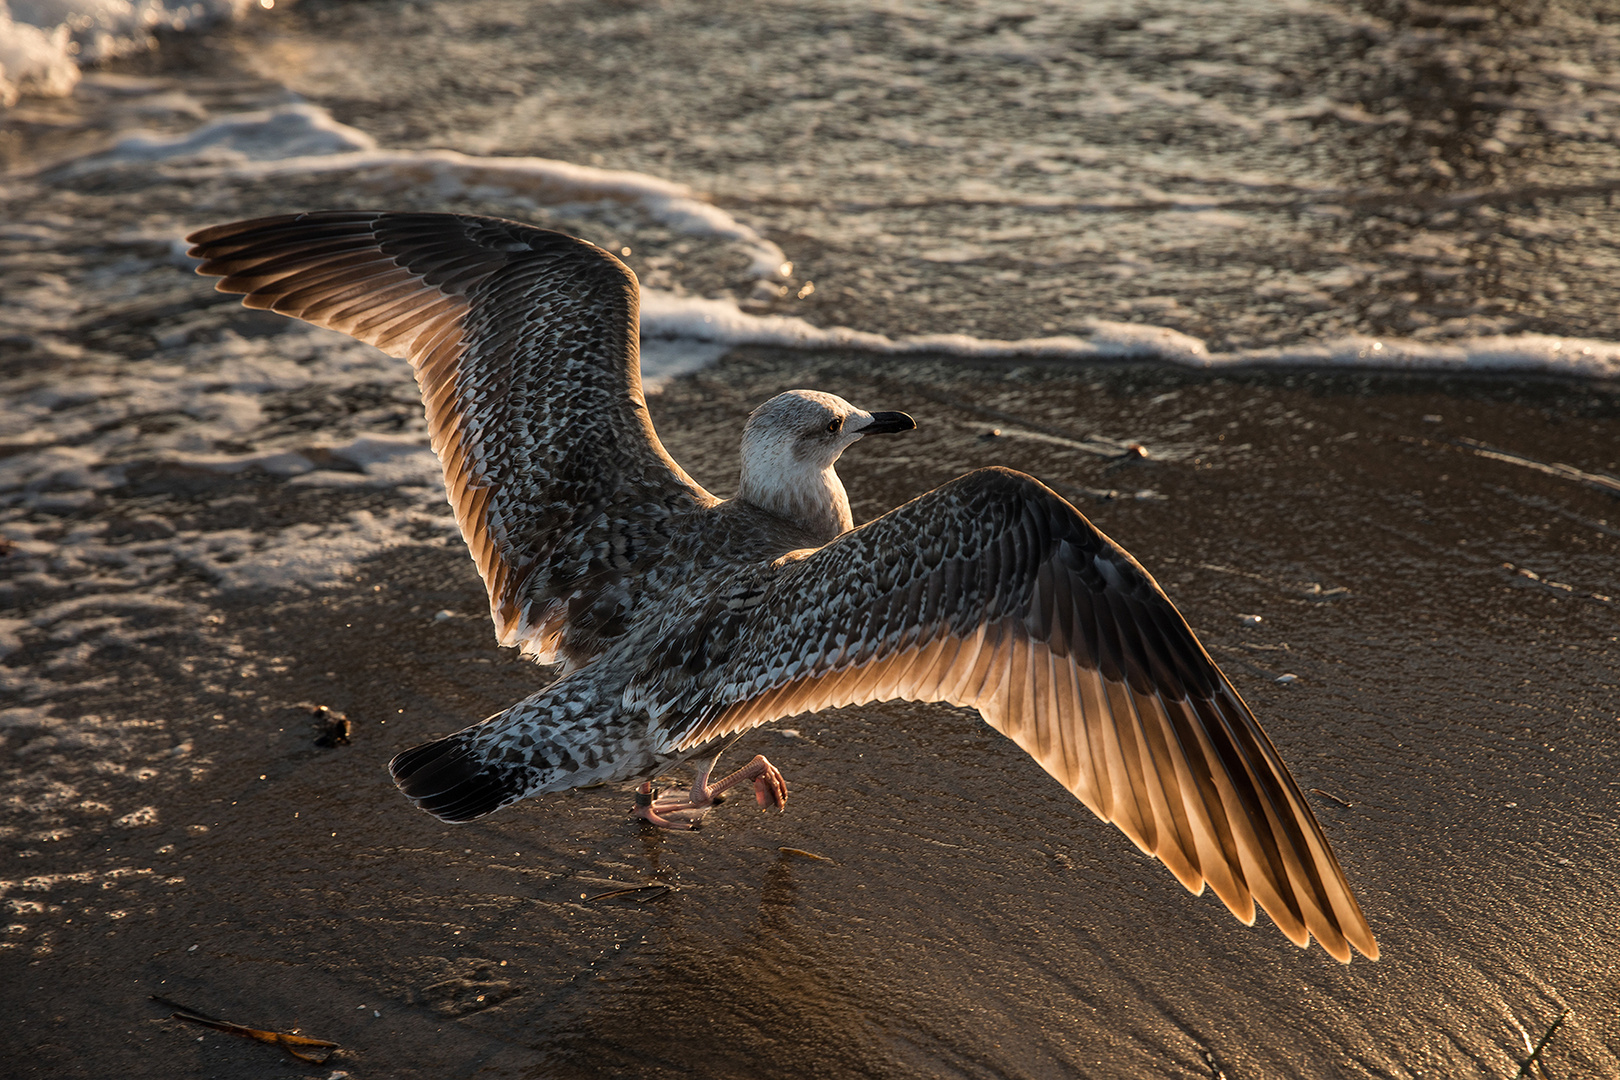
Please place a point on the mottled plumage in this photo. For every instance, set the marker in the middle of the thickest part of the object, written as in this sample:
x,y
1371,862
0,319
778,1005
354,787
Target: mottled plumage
x,y
682,620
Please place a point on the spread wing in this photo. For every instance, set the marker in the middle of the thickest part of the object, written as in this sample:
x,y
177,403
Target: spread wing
x,y
526,348
993,592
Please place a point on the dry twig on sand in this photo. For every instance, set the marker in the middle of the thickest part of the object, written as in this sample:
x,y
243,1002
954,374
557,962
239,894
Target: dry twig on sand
x,y
314,1051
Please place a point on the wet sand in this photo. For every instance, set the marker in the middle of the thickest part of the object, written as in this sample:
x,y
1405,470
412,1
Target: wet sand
x,y
1445,594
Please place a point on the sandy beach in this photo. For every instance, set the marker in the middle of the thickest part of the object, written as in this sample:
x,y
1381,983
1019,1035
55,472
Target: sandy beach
x,y
218,522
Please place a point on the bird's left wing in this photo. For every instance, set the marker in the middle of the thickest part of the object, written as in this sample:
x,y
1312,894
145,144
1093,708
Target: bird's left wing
x,y
993,592
525,345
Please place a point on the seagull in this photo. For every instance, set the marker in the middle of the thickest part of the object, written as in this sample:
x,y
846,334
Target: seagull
x,y
681,620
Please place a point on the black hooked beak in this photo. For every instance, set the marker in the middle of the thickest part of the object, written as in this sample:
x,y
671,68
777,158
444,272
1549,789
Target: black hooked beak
x,y
887,423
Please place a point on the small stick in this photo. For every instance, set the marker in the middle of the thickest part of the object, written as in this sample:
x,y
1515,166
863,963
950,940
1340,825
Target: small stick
x,y
1524,1068
801,853
631,891
286,1040
1100,445
1335,798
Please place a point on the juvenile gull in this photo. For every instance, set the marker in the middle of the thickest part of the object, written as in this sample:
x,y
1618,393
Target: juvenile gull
x,y
682,620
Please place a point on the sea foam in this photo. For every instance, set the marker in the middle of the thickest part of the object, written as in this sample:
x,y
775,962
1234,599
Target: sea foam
x,y
682,333
44,43
303,140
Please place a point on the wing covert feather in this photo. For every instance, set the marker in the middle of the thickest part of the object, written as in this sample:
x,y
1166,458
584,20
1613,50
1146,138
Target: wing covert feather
x,y
525,344
993,592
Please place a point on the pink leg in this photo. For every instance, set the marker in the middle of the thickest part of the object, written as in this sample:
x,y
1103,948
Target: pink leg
x,y
689,807
770,789
649,803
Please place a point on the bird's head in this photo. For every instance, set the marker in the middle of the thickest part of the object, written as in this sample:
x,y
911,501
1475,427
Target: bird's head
x,y
805,431
789,447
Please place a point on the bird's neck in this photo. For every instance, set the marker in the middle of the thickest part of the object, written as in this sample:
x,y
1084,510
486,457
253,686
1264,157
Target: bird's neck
x,y
814,501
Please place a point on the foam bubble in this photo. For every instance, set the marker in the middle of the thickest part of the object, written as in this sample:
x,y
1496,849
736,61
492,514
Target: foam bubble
x,y
34,60
43,43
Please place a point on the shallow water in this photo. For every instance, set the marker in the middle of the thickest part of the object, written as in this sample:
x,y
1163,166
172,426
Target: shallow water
x,y
1250,174
216,518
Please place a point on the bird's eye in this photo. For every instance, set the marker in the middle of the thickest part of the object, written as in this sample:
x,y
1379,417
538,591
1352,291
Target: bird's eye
x,y
834,424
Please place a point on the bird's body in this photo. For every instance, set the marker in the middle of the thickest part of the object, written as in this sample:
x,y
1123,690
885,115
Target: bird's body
x,y
682,620
610,718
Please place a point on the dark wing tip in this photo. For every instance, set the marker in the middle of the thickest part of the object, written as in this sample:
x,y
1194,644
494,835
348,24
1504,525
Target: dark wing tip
x,y
451,781
1104,612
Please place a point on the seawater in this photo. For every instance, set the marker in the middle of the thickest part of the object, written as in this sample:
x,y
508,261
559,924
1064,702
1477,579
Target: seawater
x,y
1211,185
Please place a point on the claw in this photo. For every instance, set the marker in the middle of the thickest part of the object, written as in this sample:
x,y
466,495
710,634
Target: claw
x,y
647,807
677,809
770,788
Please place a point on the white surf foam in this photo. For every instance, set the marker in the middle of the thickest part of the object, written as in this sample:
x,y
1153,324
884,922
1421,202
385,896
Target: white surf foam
x,y
722,322
304,140
286,135
667,316
1502,352
44,43
684,333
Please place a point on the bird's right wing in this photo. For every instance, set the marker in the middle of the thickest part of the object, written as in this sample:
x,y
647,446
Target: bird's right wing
x,y
993,592
525,344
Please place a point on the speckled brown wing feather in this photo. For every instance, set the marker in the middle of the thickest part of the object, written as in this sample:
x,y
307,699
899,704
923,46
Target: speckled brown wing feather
x,y
526,348
993,592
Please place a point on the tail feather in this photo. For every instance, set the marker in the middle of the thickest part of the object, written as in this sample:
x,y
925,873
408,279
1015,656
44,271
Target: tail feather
x,y
454,782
